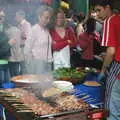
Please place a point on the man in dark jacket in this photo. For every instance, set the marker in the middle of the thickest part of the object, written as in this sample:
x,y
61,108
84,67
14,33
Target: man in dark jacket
x,y
5,45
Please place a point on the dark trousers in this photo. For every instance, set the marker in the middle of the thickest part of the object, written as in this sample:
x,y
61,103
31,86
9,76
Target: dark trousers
x,y
17,68
77,61
4,73
14,68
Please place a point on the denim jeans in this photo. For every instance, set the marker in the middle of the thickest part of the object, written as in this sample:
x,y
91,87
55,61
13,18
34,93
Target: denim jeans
x,y
14,68
115,102
4,74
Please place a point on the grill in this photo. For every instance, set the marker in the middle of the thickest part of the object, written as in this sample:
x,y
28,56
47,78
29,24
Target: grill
x,y
23,112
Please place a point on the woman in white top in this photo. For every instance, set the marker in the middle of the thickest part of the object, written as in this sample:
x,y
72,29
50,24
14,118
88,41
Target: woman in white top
x,y
38,49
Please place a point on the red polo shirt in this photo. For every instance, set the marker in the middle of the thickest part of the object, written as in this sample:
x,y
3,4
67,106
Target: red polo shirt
x,y
111,34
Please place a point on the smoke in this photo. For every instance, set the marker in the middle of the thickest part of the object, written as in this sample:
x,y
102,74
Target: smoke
x,y
29,6
46,82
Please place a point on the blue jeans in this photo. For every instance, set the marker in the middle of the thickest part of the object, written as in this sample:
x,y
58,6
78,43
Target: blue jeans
x,y
115,102
14,68
4,74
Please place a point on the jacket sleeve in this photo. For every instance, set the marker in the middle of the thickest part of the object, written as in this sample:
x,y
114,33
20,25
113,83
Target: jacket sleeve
x,y
83,42
56,46
4,41
4,46
72,37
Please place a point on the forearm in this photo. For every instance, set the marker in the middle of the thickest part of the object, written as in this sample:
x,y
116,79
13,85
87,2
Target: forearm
x,y
28,48
5,43
59,46
73,42
108,58
72,38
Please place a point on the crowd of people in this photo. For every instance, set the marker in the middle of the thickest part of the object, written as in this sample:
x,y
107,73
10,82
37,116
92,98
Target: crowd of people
x,y
37,49
71,42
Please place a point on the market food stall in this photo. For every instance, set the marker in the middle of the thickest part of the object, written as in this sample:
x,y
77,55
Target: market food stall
x,y
30,102
27,108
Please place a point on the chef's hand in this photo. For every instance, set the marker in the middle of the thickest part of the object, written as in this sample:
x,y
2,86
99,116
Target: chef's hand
x,y
12,42
101,78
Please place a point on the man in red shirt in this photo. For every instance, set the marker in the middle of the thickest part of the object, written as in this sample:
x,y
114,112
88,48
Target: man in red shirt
x,y
111,39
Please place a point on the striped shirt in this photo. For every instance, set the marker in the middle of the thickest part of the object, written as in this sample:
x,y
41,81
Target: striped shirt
x,y
39,47
25,31
111,34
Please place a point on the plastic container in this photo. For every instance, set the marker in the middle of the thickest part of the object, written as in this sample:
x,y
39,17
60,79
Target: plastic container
x,y
63,85
8,85
3,62
4,73
95,92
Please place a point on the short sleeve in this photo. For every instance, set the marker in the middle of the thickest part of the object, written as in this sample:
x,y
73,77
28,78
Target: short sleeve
x,y
109,37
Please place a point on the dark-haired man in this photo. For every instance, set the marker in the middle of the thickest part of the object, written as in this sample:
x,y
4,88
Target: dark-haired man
x,y
111,39
5,45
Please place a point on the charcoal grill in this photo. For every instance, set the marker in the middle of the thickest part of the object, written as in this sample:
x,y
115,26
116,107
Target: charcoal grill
x,y
22,112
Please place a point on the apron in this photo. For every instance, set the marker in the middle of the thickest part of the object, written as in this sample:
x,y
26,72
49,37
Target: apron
x,y
61,58
111,75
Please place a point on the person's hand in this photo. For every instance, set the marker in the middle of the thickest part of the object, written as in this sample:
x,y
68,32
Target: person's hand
x,y
69,41
12,42
54,42
79,49
101,78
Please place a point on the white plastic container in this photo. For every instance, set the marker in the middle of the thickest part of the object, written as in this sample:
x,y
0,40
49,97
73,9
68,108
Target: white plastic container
x,y
63,85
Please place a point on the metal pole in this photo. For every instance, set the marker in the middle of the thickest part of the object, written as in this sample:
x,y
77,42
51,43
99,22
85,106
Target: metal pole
x,y
87,6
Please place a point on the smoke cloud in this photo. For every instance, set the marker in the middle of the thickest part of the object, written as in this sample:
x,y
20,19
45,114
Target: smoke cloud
x,y
29,6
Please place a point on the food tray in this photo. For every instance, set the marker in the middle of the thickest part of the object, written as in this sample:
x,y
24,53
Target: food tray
x,y
70,74
73,80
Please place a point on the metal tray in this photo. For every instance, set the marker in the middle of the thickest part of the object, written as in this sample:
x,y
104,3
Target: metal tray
x,y
63,113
